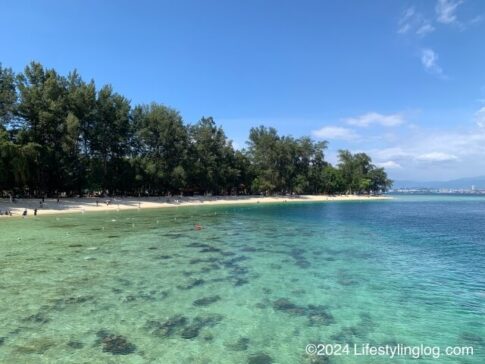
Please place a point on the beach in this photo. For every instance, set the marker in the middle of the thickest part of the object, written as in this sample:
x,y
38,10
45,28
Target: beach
x,y
90,204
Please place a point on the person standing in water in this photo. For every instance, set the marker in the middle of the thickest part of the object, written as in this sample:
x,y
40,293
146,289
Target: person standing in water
x,y
24,214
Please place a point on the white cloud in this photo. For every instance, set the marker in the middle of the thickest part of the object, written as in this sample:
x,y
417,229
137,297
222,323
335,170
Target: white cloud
x,y
335,132
425,29
436,157
391,153
480,117
425,153
413,22
376,118
389,165
414,153
446,9
405,21
429,59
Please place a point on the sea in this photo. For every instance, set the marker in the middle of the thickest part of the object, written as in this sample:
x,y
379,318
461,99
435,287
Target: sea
x,y
379,281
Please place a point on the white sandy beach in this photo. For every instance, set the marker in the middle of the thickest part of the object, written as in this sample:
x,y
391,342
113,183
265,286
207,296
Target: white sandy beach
x,y
85,205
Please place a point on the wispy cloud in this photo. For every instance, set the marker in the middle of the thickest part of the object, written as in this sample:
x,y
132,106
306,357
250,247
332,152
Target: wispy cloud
x,y
405,21
375,118
429,59
413,22
335,132
413,152
480,117
389,165
430,154
446,11
437,157
477,19
425,29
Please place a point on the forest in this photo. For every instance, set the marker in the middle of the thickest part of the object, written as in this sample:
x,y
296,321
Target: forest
x,y
63,135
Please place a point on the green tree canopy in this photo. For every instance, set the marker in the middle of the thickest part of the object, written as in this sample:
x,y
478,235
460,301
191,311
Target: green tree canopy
x,y
62,134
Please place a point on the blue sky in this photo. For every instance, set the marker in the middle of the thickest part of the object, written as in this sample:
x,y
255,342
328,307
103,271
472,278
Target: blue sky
x,y
401,80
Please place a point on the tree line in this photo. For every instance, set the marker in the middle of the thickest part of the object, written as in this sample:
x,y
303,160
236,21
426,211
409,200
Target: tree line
x,y
62,134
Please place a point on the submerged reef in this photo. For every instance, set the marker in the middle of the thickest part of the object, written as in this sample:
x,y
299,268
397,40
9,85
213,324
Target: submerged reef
x,y
242,344
35,346
181,325
167,328
317,315
39,318
200,322
260,358
114,344
75,344
300,260
316,359
193,283
205,301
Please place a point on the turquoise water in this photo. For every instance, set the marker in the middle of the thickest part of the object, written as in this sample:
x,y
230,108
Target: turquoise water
x,y
255,285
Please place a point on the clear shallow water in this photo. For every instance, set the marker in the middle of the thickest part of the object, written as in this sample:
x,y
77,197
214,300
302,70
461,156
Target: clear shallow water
x,y
256,282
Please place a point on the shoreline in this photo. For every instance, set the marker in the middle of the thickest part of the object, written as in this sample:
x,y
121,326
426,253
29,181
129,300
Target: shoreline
x,y
89,204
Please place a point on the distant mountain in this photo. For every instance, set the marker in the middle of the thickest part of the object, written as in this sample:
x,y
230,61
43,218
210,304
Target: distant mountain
x,y
461,183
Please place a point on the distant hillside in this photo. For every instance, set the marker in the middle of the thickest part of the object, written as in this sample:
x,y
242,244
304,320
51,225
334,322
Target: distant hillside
x,y
465,183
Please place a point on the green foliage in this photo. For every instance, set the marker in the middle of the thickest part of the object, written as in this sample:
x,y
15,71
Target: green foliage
x,y
359,175
8,96
161,142
213,159
61,134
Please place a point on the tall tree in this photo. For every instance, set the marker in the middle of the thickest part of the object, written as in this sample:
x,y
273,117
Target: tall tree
x,y
60,134
263,152
110,140
161,141
212,158
8,96
360,175
42,109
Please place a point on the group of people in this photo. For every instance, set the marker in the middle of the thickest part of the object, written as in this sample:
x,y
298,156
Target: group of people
x,y
24,214
8,212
